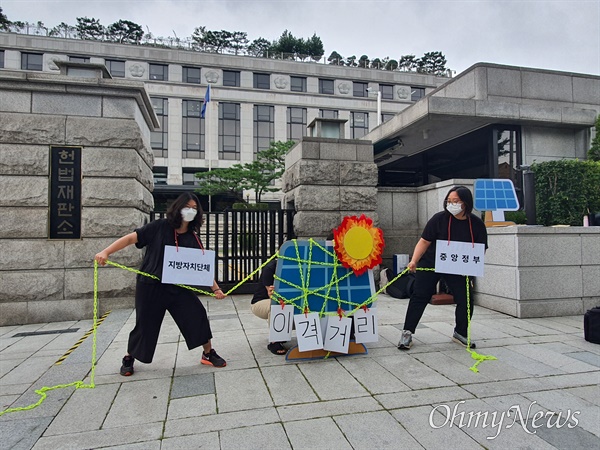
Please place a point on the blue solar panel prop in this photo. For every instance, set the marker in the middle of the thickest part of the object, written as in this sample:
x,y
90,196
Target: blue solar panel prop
x,y
496,195
311,278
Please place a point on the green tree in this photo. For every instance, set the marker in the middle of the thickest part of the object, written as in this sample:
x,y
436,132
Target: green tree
x,y
408,63
89,29
212,41
594,151
433,63
314,47
350,61
63,30
125,32
4,22
335,59
392,64
223,181
363,62
260,48
377,64
238,42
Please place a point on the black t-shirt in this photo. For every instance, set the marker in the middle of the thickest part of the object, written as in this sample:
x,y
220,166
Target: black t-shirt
x,y
437,228
267,278
154,236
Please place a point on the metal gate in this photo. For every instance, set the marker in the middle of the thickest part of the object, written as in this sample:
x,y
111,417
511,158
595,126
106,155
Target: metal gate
x,y
242,241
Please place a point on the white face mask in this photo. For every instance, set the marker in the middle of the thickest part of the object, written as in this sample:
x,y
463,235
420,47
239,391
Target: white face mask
x,y
454,208
188,214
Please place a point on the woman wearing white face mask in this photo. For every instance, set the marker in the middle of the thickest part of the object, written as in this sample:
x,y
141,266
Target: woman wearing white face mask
x,y
456,223
153,298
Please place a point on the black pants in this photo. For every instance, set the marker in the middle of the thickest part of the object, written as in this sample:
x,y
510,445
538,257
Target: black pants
x,y
425,284
151,303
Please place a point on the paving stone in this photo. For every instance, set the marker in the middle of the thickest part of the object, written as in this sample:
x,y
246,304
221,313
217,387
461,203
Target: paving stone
x,y
423,397
331,381
192,385
316,434
148,445
527,365
201,440
23,432
198,405
287,385
375,378
328,408
375,430
586,357
257,437
551,358
413,373
589,393
241,389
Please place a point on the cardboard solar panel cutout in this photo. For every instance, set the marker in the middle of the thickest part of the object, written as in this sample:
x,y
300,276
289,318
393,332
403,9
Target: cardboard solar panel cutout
x,y
329,287
494,196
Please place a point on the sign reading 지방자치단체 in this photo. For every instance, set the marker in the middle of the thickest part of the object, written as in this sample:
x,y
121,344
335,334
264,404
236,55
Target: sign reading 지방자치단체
x,y
459,258
189,266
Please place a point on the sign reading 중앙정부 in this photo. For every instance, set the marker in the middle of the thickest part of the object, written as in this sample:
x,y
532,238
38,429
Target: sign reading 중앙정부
x,y
64,203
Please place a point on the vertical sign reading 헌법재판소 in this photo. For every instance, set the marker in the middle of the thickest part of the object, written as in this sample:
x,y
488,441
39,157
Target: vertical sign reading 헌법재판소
x,y
64,207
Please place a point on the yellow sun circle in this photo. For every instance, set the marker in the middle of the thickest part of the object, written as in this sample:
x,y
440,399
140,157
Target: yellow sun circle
x,y
358,243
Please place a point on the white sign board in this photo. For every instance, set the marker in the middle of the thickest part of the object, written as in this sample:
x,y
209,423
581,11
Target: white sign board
x,y
189,266
365,326
308,331
338,334
281,323
459,258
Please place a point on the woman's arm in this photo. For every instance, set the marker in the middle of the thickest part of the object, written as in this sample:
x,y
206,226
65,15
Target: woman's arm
x,y
219,294
119,244
418,253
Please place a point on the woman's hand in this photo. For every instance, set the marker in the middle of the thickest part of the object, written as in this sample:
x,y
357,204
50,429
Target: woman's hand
x,y
270,290
101,257
219,294
412,267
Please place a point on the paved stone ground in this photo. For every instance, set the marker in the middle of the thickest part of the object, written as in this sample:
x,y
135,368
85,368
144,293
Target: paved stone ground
x,y
424,398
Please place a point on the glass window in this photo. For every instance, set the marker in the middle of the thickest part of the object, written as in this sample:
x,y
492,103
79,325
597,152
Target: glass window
x,y
80,59
262,81
325,86
298,84
229,131
189,175
360,89
231,78
115,68
32,61
387,91
159,139
1,59
416,93
193,133
328,113
191,75
386,116
159,72
359,124
264,127
296,123
160,175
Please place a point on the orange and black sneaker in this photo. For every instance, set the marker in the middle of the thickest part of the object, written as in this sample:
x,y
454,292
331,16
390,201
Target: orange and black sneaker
x,y
212,359
127,366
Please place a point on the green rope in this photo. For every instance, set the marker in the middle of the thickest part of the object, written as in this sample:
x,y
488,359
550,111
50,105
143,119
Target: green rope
x,y
479,358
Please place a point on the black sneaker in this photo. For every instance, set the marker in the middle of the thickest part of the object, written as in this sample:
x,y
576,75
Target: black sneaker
x,y
462,340
127,367
212,359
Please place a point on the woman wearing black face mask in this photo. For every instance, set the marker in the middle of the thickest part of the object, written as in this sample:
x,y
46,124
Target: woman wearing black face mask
x,y
153,298
456,223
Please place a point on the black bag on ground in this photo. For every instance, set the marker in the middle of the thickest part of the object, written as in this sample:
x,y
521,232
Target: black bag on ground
x,y
591,325
402,287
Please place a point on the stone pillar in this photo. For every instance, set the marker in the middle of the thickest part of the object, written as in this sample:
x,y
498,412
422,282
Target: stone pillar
x,y
43,280
327,179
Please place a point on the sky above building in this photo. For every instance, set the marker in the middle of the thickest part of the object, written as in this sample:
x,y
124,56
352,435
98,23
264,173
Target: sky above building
x,y
548,34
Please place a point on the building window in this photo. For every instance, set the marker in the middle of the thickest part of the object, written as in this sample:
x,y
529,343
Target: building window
x,y
191,75
359,124
79,59
386,116
160,138
193,134
387,91
298,84
360,89
160,175
328,113
264,127
1,59
189,176
32,61
159,72
115,68
416,93
296,123
231,78
229,131
325,86
262,81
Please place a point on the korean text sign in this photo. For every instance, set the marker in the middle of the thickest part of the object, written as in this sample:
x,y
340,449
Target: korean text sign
x,y
189,266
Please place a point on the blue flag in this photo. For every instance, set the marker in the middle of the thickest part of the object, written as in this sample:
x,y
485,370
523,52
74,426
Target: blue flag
x,y
206,100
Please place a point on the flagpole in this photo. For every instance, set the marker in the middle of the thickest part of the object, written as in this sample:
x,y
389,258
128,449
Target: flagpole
x,y
208,151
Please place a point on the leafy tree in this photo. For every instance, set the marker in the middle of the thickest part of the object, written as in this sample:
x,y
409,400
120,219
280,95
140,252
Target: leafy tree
x,y
4,22
350,61
336,59
238,41
286,43
257,175
63,30
594,151
408,63
433,63
377,64
392,64
259,47
314,47
89,29
363,62
212,41
125,32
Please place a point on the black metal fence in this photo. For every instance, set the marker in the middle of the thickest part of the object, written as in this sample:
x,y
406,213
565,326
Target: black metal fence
x,y
242,241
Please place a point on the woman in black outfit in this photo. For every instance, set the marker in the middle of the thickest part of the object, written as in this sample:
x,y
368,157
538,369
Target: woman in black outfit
x,y
153,298
462,225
